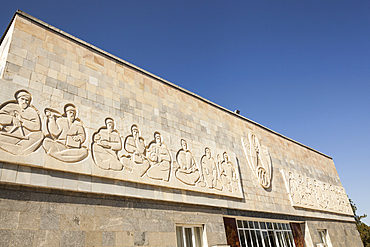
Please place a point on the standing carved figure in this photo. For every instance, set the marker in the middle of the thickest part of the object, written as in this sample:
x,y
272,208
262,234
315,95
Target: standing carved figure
x,y
106,144
188,171
293,189
66,135
159,158
228,174
20,125
309,193
209,167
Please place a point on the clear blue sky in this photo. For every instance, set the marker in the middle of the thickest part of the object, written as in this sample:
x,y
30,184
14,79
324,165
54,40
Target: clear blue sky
x,y
301,68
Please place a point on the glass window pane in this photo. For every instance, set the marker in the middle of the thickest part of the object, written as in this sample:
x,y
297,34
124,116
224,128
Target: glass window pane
x,y
266,239
275,226
288,227
291,239
263,225
248,238
287,239
198,232
251,225
179,236
239,223
269,225
280,227
284,226
188,237
254,238
256,225
246,224
280,239
272,239
242,238
259,238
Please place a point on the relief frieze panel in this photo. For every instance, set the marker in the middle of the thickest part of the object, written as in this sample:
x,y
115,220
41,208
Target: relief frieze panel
x,y
259,159
68,145
314,194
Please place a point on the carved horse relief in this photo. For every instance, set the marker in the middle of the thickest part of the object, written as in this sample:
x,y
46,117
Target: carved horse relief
x,y
259,159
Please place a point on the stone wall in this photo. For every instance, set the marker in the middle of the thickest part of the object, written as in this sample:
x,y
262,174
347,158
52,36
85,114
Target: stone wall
x,y
104,153
58,69
47,217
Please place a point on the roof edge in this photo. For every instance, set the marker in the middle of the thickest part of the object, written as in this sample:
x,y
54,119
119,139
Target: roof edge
x,y
138,69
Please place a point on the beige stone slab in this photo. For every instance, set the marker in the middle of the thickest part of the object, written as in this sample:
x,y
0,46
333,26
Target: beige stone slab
x,y
9,173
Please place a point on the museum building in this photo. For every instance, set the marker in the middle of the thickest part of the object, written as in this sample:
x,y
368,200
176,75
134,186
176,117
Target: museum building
x,y
95,151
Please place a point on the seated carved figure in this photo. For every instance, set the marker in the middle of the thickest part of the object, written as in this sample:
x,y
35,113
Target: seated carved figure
x,y
136,162
20,125
66,135
188,171
159,158
228,174
106,144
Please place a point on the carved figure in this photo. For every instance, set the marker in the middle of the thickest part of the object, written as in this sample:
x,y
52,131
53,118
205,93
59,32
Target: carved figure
x,y
301,190
259,160
293,189
136,162
188,170
66,135
317,191
20,125
210,170
309,193
106,144
228,174
159,158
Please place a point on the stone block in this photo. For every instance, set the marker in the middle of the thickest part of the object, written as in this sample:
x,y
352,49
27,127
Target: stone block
x,y
93,239
5,237
141,238
46,239
125,238
29,221
9,173
21,238
108,238
50,221
72,238
9,220
111,223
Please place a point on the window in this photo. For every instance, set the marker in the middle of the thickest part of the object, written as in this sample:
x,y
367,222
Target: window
x,y
189,235
324,237
264,234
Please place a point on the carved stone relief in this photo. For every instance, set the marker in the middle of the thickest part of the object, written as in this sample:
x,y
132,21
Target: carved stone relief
x,y
20,125
66,134
136,161
159,158
314,194
106,145
211,170
188,170
259,159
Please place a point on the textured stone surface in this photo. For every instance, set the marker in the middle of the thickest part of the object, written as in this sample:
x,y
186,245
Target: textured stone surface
x,y
80,203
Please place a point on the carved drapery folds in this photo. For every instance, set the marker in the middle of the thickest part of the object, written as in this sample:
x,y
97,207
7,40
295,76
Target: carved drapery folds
x,y
314,194
106,143
20,125
66,134
64,141
258,159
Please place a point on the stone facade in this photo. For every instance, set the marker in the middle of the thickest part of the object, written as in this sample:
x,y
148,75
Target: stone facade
x,y
98,152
